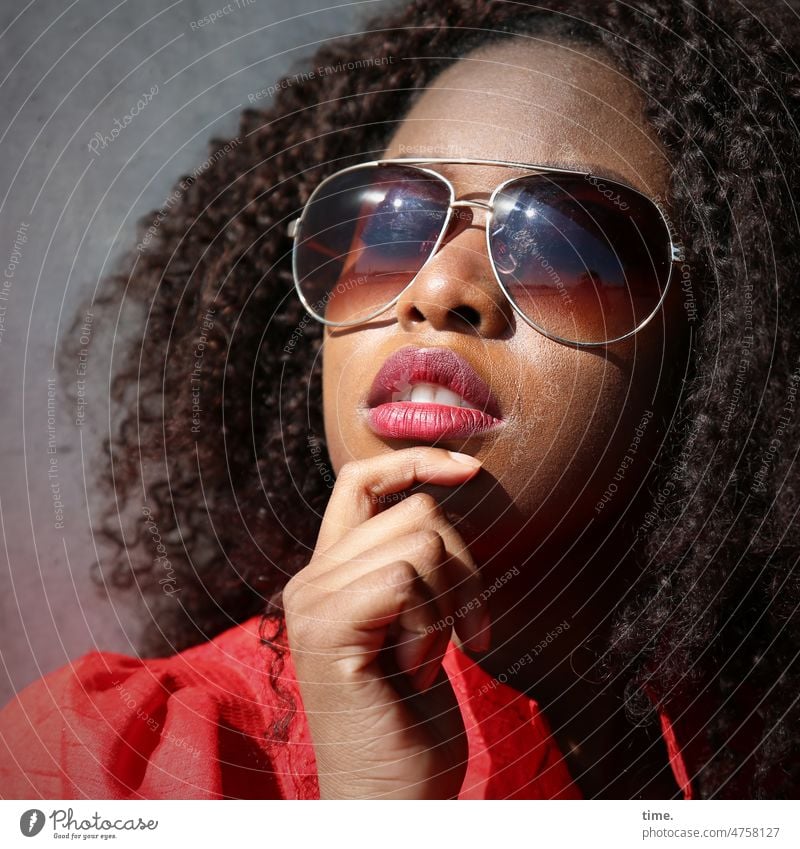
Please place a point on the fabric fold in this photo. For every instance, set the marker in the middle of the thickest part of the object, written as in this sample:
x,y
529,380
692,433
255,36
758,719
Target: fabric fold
x,y
202,725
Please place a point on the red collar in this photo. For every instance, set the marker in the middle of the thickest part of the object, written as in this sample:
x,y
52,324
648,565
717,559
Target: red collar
x,y
207,723
512,752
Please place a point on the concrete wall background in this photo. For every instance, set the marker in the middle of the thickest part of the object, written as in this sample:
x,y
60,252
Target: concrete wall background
x,y
69,70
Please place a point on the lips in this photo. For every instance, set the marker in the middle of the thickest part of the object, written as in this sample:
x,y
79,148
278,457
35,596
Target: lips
x,y
430,394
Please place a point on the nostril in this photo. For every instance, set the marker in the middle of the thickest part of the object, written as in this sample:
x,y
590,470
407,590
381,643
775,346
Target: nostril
x,y
468,314
415,314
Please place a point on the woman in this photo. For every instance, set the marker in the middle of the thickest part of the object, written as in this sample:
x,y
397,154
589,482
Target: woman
x,y
594,594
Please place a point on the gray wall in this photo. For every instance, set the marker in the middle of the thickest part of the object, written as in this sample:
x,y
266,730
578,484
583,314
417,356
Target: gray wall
x,y
70,70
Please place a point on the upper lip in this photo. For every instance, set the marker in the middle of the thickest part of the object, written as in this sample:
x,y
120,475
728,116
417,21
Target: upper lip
x,y
440,366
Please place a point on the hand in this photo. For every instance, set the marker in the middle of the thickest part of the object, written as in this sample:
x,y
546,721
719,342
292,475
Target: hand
x,y
367,624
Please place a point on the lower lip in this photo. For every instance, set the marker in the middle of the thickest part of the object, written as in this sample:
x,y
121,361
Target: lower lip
x,y
409,420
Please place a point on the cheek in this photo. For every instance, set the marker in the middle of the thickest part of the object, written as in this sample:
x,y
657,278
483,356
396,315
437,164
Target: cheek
x,y
361,296
343,375
572,417
333,435
575,418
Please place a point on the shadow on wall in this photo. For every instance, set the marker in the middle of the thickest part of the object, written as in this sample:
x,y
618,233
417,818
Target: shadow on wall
x,y
108,107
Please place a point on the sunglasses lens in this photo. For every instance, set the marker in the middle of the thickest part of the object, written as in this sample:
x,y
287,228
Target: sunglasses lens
x,y
584,259
363,237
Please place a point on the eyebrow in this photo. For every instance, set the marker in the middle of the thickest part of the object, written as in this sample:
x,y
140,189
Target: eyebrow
x,y
594,170
602,172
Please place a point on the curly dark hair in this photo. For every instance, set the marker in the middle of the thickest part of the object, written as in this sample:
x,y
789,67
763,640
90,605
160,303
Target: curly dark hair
x,y
220,393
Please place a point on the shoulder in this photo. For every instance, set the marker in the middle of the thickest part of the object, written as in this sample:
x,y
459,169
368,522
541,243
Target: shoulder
x,y
198,724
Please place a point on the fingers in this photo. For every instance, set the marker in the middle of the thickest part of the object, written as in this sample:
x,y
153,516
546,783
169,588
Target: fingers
x,y
416,523
419,511
424,549
355,620
428,660
362,486
449,581
379,601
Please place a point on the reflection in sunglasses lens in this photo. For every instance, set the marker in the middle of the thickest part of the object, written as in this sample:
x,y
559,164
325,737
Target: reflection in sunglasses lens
x,y
585,261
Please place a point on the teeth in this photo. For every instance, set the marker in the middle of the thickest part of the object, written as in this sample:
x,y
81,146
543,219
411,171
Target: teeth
x,y
430,393
424,393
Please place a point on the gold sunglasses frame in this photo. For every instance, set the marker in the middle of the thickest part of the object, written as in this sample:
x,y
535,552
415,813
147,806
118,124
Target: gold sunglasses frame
x,y
676,251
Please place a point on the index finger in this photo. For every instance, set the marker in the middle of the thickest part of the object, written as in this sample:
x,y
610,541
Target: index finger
x,y
362,486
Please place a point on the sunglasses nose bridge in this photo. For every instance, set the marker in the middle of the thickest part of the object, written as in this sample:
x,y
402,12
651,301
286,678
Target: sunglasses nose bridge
x,y
465,204
482,203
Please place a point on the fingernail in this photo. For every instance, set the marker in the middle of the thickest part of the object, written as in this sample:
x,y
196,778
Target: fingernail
x,y
466,459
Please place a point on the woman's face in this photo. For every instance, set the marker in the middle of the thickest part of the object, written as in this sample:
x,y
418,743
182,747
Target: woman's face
x,y
570,416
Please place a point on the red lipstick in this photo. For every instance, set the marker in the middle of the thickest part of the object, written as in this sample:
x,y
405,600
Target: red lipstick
x,y
430,394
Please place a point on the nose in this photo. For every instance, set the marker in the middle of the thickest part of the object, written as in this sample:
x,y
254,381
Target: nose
x,y
456,290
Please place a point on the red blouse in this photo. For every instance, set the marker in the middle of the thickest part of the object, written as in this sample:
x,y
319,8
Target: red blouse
x,y
192,726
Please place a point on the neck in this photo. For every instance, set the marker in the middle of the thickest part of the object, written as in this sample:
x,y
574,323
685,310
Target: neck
x,y
552,616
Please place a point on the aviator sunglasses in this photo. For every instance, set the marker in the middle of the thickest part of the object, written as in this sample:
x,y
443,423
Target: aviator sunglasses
x,y
583,260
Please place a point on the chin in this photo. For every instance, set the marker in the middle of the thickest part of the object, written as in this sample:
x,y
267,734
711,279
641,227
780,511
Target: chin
x,y
483,513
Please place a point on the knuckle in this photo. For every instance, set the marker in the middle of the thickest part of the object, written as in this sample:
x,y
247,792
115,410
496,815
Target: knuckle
x,y
350,473
401,576
421,455
297,594
423,463
300,629
377,487
430,542
298,584
289,593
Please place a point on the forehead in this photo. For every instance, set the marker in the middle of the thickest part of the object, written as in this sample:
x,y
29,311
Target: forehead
x,y
536,102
